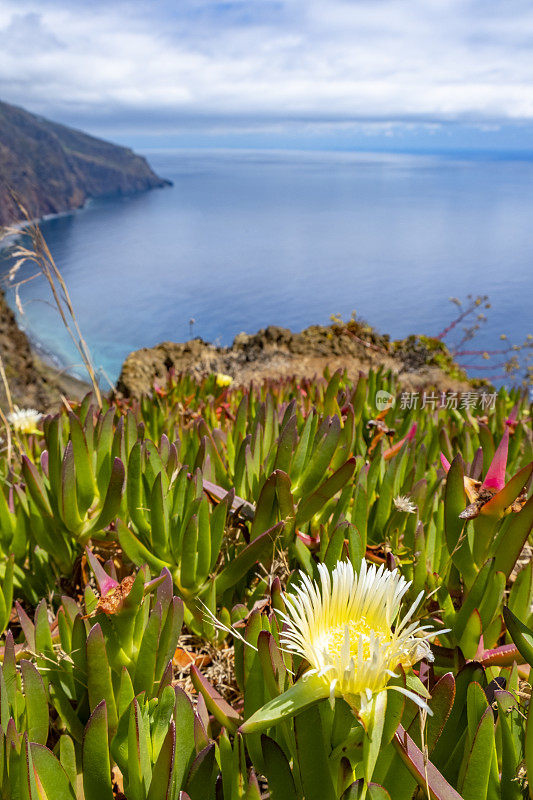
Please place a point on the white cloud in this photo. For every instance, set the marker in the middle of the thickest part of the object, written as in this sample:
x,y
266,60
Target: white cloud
x,y
345,59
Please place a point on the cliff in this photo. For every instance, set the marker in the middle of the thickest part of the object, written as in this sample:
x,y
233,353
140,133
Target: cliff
x,y
53,168
32,384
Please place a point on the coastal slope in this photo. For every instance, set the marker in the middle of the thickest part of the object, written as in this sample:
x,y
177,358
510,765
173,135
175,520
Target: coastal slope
x,y
32,384
53,168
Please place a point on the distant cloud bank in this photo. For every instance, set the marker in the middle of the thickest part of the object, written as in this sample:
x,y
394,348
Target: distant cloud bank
x,y
270,67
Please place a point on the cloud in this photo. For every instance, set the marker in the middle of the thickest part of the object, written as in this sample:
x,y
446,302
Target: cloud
x,y
269,60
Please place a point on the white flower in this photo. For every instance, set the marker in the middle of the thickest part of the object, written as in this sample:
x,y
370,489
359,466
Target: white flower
x,y
349,631
402,503
24,420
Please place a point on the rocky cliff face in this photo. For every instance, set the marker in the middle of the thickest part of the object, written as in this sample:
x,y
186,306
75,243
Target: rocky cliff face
x,y
53,168
32,383
28,388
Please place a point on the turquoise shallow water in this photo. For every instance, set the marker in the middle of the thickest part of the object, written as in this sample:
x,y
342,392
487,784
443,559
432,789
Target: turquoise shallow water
x,y
245,239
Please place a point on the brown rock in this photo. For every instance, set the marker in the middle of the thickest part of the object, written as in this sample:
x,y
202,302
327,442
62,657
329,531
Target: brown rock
x,y
276,352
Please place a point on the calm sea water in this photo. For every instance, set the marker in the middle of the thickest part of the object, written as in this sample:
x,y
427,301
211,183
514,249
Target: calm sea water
x,y
247,239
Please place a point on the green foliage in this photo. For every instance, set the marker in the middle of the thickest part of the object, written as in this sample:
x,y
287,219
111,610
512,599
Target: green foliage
x,y
202,502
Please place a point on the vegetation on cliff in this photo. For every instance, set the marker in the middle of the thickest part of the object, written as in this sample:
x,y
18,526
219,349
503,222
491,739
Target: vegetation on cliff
x,y
287,590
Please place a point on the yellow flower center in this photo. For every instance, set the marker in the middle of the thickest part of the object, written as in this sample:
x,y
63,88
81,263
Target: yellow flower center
x,y
356,629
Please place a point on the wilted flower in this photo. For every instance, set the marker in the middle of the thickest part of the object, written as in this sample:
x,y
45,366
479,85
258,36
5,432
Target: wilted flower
x,y
388,454
402,503
112,592
24,420
481,493
350,631
223,380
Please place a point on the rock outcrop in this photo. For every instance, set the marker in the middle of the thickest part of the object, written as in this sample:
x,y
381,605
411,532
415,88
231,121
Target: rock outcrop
x,y
276,352
52,168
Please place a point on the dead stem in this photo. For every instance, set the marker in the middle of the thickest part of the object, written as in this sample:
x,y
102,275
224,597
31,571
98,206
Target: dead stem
x,y
39,254
6,386
216,663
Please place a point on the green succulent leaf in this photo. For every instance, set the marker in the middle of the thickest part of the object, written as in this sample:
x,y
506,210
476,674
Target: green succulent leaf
x,y
278,771
96,764
304,693
521,635
424,772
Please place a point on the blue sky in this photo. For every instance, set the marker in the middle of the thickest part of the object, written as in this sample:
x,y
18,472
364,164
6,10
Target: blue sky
x,y
376,74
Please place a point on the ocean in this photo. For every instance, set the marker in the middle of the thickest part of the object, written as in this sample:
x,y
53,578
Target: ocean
x,y
246,239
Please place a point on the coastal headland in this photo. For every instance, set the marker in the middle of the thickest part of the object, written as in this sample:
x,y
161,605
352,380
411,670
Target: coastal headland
x,y
51,168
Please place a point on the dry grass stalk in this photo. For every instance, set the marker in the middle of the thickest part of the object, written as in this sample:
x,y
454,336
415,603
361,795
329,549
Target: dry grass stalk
x,y
9,444
6,386
216,662
38,253
11,407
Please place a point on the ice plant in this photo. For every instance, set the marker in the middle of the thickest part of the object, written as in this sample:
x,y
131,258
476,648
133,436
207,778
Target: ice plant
x,y
392,451
480,493
472,487
402,503
24,420
223,380
349,630
112,592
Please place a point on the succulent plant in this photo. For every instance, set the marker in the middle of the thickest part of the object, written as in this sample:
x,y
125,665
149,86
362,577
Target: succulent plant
x,y
219,510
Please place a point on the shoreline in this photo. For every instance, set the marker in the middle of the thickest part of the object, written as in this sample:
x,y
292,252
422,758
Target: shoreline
x,y
71,387
53,369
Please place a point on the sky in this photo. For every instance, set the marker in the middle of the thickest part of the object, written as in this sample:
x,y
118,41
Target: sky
x,y
323,74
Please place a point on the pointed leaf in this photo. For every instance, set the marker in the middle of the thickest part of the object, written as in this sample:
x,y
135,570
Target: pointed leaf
x,y
96,765
304,693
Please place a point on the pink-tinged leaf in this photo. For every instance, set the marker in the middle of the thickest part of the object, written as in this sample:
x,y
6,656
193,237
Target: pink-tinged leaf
x,y
105,582
245,509
309,541
28,628
202,712
503,656
441,704
215,703
497,505
156,582
359,789
513,416
420,769
110,568
388,454
477,465
495,477
445,463
165,590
